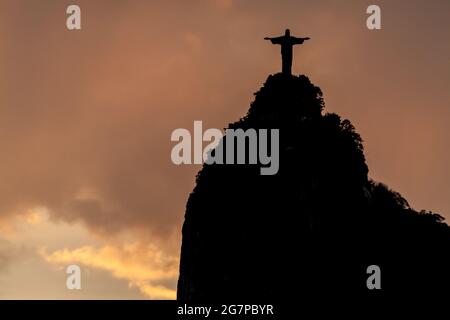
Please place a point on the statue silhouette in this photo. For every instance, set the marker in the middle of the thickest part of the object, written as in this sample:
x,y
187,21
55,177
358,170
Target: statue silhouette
x,y
286,42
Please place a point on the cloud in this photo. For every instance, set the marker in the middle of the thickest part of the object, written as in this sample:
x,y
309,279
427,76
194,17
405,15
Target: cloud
x,y
224,4
94,110
143,266
7,254
86,116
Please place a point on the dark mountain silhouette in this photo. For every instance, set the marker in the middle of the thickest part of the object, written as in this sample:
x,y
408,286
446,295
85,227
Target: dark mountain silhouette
x,y
312,229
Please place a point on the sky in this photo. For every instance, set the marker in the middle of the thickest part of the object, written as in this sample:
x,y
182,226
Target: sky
x,y
86,117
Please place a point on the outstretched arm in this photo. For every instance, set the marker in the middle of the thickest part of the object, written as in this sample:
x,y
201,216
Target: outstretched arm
x,y
299,40
276,40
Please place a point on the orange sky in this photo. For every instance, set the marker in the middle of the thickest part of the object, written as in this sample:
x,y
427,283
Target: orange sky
x,y
86,117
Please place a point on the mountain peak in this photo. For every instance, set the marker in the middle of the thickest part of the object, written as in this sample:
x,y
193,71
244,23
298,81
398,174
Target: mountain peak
x,y
285,98
314,227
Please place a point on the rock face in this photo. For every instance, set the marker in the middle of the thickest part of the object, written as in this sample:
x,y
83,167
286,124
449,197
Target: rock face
x,y
312,229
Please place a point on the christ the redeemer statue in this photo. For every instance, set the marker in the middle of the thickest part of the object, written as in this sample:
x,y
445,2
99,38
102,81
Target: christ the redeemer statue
x,y
286,42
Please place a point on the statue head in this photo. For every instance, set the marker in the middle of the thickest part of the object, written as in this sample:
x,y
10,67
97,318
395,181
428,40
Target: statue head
x,y
287,33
